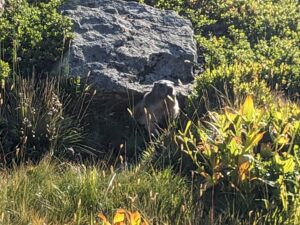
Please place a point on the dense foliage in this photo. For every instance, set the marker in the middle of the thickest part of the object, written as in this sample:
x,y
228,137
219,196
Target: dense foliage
x,y
247,34
75,194
251,153
33,34
34,116
243,155
34,121
234,156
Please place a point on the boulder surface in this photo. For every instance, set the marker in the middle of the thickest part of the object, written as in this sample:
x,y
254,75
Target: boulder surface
x,y
126,46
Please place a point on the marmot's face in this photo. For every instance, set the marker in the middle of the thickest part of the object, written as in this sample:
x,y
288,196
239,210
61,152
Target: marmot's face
x,y
164,88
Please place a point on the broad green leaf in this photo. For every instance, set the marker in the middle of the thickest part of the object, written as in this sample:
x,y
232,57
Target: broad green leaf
x,y
253,141
282,139
234,146
248,109
288,165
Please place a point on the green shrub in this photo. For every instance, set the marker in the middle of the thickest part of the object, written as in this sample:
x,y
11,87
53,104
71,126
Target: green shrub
x,y
35,121
263,37
228,84
258,19
241,156
33,34
281,57
35,116
247,156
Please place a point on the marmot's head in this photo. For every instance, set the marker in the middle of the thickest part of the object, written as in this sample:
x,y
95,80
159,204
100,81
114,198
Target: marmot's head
x,y
163,88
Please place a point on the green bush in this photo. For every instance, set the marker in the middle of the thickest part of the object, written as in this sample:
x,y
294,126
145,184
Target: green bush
x,y
35,118
247,156
35,121
33,35
228,84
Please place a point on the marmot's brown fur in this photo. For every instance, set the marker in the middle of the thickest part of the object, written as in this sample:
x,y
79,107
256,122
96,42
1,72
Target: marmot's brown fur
x,y
158,107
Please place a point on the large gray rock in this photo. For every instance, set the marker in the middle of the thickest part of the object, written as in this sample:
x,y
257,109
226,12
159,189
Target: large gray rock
x,y
126,46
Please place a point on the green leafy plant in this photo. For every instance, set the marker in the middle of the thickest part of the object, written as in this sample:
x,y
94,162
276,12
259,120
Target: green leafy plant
x,y
227,85
252,152
36,31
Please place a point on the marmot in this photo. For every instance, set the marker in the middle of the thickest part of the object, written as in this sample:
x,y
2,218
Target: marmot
x,y
158,107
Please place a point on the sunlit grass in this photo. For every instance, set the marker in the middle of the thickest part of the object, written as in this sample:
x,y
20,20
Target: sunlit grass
x,y
53,193
60,193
